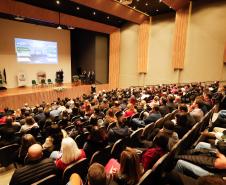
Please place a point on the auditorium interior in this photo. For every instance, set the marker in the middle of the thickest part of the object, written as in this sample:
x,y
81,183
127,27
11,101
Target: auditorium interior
x,y
113,92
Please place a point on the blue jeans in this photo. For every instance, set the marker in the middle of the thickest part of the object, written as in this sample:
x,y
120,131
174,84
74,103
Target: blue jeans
x,y
203,145
188,168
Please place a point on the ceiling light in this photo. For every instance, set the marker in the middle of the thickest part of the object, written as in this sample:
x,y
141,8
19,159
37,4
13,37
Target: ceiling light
x,y
134,7
146,4
108,17
160,1
94,13
59,27
57,2
138,0
77,8
19,18
157,10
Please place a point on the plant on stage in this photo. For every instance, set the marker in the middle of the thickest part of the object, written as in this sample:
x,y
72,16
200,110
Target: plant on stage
x,y
59,89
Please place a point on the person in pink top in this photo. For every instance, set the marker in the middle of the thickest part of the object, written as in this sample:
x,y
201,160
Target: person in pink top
x,y
69,154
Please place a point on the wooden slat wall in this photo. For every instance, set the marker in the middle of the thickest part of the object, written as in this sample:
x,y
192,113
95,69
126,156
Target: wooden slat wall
x,y
225,54
114,59
180,37
33,97
115,8
143,42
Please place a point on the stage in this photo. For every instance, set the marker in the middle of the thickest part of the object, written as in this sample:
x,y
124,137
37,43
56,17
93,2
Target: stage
x,y
16,97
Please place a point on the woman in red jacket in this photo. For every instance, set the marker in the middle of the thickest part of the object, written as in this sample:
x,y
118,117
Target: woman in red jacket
x,y
70,153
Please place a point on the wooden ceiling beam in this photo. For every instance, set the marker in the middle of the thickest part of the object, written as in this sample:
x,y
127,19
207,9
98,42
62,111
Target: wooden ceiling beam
x,y
176,4
32,12
115,8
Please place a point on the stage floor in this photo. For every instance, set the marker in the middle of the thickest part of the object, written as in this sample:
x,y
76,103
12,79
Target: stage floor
x,y
30,89
16,97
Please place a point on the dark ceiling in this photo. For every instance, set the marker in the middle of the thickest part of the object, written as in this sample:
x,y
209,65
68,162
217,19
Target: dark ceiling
x,y
75,9
151,7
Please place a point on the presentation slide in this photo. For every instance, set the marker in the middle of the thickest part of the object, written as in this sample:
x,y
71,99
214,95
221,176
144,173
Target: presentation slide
x,y
36,51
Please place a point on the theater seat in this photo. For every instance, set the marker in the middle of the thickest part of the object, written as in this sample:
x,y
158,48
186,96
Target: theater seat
x,y
8,155
80,167
51,179
102,156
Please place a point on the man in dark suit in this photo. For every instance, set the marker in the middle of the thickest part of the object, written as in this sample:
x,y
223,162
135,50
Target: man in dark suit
x,y
36,169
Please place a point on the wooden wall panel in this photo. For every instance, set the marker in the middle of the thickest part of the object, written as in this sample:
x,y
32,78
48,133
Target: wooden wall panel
x,y
114,59
225,54
32,12
115,8
180,37
143,43
17,97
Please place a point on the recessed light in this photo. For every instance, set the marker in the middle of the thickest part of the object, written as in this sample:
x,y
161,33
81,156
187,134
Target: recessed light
x,y
57,2
157,10
77,8
18,18
160,1
146,4
108,17
94,13
138,0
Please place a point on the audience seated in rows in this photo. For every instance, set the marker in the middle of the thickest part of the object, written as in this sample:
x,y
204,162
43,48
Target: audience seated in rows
x,y
106,116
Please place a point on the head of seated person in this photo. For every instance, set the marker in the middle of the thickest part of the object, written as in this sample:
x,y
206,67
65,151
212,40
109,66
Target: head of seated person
x,y
34,153
161,141
181,119
29,120
168,127
183,108
130,168
97,175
